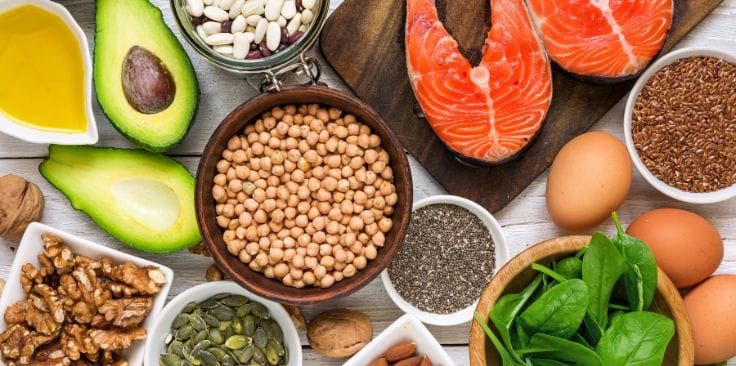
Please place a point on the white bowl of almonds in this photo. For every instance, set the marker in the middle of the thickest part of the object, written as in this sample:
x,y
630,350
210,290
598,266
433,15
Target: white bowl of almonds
x,y
677,127
69,299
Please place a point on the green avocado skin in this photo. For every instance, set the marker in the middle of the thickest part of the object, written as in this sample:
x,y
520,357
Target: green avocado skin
x,y
121,25
85,175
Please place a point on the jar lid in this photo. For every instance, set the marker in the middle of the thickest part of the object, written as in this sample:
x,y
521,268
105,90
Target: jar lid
x,y
250,66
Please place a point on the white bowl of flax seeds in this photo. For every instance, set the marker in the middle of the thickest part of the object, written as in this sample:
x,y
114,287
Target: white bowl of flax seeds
x,y
680,125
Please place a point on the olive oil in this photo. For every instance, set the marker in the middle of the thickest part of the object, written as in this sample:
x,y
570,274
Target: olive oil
x,y
42,81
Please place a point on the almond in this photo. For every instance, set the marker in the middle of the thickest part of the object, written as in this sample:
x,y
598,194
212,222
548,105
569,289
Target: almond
x,y
412,361
379,362
400,351
425,362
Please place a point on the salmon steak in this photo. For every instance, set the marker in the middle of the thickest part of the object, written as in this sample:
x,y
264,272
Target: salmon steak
x,y
604,40
489,113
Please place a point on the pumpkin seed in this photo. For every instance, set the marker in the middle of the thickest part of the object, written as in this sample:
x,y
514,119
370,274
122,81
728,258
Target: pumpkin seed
x,y
260,338
190,307
237,342
245,309
249,325
207,358
220,296
215,336
228,361
168,359
209,304
229,332
184,332
169,337
185,363
200,336
259,356
197,362
272,356
180,320
224,325
276,346
237,327
260,311
218,352
200,346
211,320
276,331
244,355
197,322
222,312
176,347
234,300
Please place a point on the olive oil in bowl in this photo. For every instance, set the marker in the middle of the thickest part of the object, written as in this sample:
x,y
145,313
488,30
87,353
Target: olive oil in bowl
x,y
45,74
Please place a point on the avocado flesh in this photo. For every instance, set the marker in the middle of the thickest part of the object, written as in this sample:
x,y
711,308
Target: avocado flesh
x,y
143,199
122,26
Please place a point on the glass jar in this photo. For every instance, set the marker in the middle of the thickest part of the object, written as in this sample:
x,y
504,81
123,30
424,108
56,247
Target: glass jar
x,y
270,65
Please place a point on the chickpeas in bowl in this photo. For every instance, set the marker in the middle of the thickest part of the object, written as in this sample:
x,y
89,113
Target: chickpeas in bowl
x,y
305,195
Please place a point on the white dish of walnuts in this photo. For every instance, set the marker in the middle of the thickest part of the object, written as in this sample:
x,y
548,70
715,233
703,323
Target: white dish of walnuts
x,y
305,195
76,287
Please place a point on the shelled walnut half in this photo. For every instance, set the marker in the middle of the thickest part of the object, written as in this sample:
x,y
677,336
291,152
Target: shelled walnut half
x,y
77,310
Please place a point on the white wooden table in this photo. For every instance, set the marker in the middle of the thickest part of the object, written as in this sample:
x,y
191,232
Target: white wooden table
x,y
525,220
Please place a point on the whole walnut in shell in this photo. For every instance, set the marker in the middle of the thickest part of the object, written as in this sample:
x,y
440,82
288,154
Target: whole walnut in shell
x,y
339,333
21,202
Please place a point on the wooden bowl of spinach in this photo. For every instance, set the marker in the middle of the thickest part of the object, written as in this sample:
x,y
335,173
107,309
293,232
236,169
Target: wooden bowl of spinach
x,y
581,300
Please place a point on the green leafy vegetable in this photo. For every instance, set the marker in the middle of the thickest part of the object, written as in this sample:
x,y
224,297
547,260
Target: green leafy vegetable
x,y
506,358
639,338
559,311
549,272
570,267
547,362
602,267
560,349
507,308
640,278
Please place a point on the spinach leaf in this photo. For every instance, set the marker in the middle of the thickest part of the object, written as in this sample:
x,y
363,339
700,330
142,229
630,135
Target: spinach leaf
x,y
555,276
547,362
640,278
602,267
522,339
508,307
639,338
506,358
559,311
570,267
560,349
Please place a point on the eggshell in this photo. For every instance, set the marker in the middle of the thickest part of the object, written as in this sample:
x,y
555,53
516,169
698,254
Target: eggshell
x,y
711,307
588,180
686,246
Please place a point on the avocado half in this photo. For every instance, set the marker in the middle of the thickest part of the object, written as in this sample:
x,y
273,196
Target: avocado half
x,y
143,199
144,80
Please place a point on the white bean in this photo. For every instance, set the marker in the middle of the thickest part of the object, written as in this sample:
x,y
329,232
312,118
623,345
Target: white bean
x,y
239,24
219,39
307,16
281,21
294,24
309,4
224,49
236,9
241,45
201,32
212,27
252,29
289,9
225,4
253,19
208,2
273,9
273,36
253,8
195,8
260,31
303,28
216,14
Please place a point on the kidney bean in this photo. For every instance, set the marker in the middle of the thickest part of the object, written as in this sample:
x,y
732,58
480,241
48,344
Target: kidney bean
x,y
226,26
295,37
264,49
253,55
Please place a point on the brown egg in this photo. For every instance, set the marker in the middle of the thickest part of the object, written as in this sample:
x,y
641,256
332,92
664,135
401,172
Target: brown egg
x,y
711,307
686,246
588,180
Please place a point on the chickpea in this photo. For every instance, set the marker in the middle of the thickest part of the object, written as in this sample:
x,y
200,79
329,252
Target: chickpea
x,y
223,166
360,262
371,229
371,252
219,194
319,237
251,233
275,254
385,224
391,199
296,273
287,280
320,272
327,281
280,270
244,257
311,262
309,278
298,261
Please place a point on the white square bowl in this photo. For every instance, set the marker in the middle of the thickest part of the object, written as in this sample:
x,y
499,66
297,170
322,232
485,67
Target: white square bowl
x,y
405,329
31,245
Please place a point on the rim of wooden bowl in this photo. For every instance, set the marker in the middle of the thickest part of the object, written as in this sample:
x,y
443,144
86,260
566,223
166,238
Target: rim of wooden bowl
x,y
560,247
246,114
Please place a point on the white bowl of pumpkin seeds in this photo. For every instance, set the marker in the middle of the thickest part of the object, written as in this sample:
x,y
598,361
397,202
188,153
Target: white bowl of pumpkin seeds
x,y
268,334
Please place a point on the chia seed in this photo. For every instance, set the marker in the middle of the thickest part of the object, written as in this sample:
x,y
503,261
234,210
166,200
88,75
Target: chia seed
x,y
446,260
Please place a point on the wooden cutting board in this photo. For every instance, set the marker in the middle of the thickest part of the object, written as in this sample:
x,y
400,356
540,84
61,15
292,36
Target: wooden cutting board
x,y
364,42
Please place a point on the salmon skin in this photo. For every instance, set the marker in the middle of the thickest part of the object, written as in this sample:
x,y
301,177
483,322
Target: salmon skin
x,y
489,113
603,40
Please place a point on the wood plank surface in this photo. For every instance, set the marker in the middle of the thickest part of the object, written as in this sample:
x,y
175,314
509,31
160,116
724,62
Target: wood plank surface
x,y
525,220
377,73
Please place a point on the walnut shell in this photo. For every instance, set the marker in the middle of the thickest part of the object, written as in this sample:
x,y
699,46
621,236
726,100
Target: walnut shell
x,y
21,202
339,333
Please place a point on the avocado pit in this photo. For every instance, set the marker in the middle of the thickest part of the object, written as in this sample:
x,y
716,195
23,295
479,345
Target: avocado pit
x,y
147,82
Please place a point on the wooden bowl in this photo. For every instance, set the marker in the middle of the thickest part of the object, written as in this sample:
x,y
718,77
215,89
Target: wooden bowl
x,y
517,274
234,124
